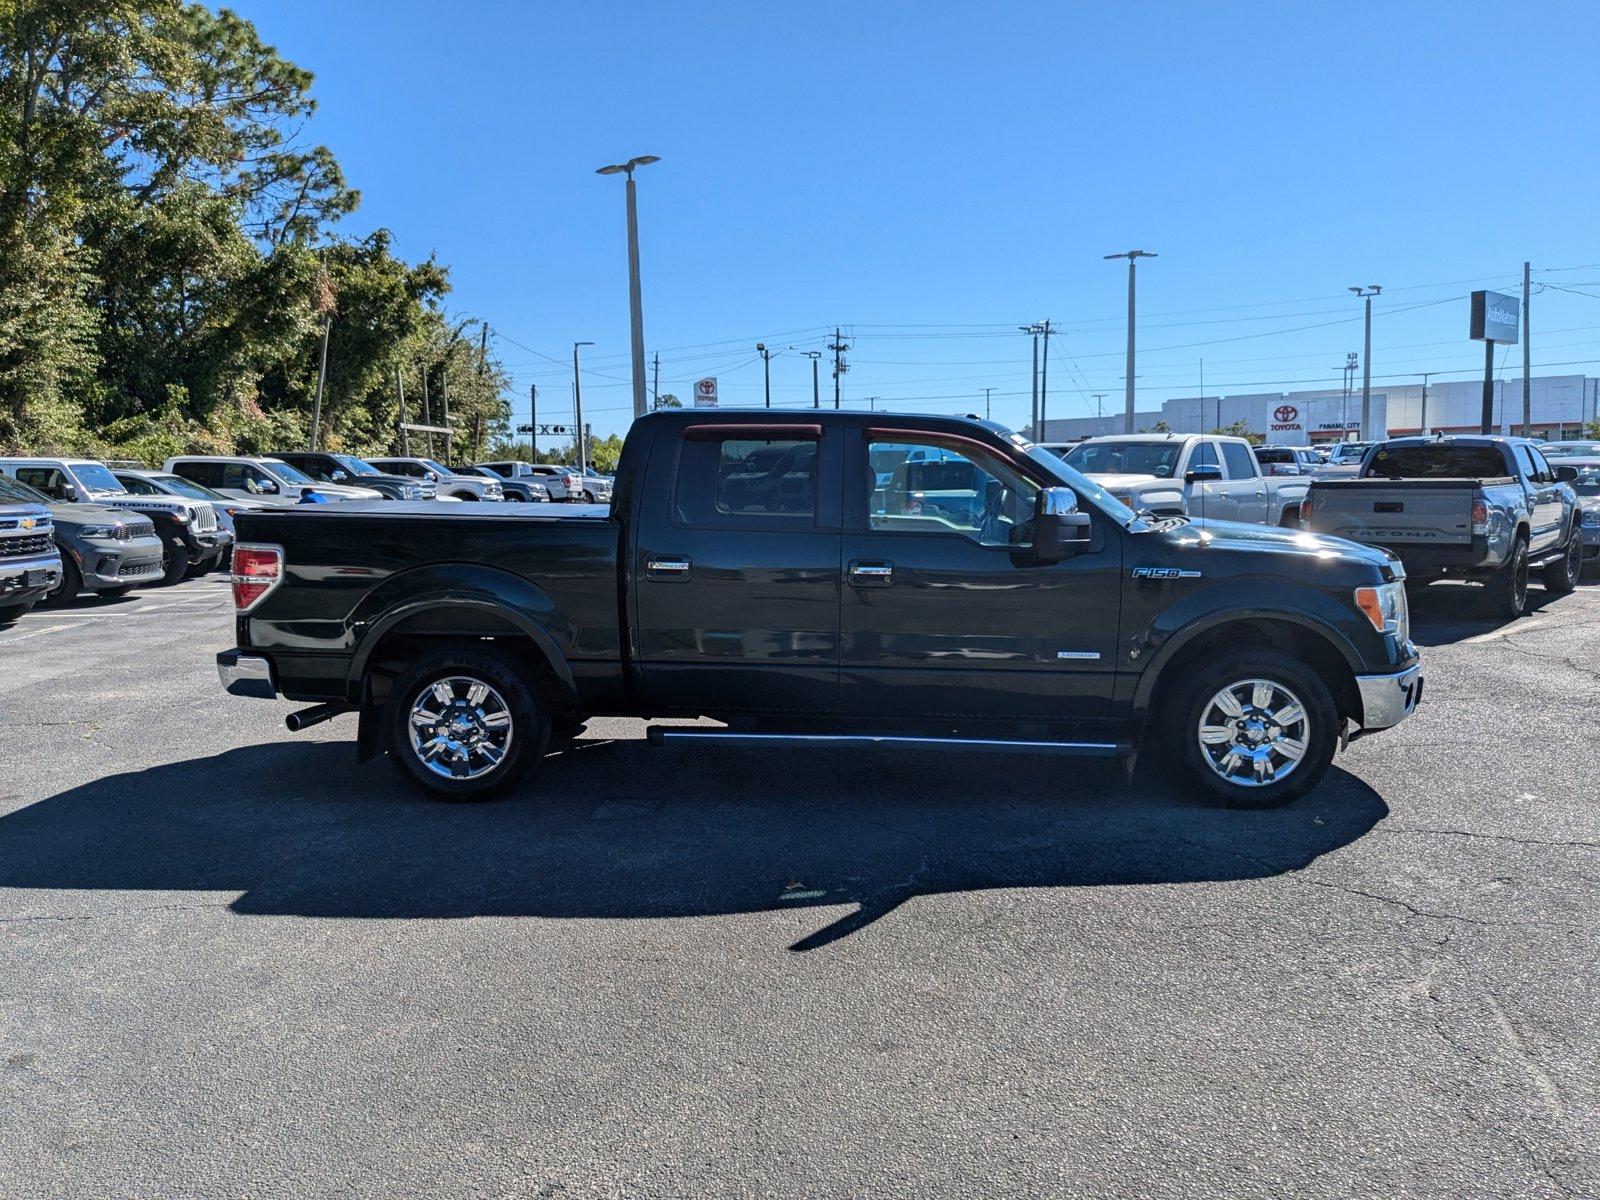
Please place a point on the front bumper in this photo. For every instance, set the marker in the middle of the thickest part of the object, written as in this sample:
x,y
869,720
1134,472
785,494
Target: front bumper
x,y
246,675
1386,700
110,564
23,579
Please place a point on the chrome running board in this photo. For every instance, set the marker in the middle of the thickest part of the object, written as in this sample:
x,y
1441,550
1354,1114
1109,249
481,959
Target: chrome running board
x,y
668,735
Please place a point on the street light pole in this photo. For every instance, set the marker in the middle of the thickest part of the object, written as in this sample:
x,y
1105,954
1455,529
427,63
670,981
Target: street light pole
x,y
1132,256
577,407
766,371
986,392
816,387
635,293
1366,294
1426,375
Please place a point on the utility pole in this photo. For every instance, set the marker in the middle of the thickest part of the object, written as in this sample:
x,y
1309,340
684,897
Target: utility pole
x,y
533,422
838,346
427,410
322,375
577,399
766,371
655,384
1426,375
1099,411
635,301
1044,379
986,412
1350,362
816,388
1033,382
405,434
1527,355
1133,256
1366,294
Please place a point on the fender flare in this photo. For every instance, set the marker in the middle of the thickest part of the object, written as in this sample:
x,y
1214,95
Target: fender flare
x,y
480,589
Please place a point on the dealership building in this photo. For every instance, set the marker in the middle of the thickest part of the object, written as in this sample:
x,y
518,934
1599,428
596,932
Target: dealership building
x,y
1560,404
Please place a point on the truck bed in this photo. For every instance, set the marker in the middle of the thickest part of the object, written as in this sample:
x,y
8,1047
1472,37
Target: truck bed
x,y
1398,512
348,563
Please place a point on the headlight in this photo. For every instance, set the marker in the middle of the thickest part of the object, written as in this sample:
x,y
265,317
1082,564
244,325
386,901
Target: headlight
x,y
103,531
1591,517
1385,606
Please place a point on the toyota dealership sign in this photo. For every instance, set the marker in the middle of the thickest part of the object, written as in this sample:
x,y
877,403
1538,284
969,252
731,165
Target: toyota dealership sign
x,y
1287,426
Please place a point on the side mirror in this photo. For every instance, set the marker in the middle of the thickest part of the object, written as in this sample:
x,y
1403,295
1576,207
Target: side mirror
x,y
268,486
1203,475
1567,474
1059,529
431,475
338,476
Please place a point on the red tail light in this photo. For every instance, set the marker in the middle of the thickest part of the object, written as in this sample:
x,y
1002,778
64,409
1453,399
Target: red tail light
x,y
1305,511
256,571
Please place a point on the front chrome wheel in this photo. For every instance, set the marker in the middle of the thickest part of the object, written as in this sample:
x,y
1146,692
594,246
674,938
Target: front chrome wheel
x,y
1254,733
460,727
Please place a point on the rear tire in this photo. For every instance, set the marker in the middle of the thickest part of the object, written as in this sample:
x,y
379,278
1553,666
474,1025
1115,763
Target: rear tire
x,y
455,742
1561,576
1505,595
1286,718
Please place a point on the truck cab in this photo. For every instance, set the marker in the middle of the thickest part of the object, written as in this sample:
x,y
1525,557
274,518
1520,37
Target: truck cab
x,y
1202,475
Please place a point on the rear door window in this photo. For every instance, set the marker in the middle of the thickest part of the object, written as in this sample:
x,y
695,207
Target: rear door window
x,y
735,481
206,473
1241,463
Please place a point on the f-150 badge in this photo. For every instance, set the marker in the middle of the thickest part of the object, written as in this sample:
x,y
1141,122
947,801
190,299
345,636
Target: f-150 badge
x,y
1164,573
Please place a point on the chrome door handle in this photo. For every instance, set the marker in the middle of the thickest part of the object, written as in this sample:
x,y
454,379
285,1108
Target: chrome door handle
x,y
676,566
871,574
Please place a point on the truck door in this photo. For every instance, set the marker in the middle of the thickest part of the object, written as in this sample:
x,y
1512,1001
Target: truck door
x,y
735,571
1243,483
1545,494
945,613
1213,500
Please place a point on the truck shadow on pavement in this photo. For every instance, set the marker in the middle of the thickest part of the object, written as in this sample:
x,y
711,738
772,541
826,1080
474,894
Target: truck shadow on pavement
x,y
614,829
1444,613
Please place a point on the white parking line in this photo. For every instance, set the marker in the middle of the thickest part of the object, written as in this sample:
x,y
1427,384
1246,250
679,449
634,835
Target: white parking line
x,y
22,637
1508,630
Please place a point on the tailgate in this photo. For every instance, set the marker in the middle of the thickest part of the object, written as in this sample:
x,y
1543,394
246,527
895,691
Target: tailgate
x,y
1395,512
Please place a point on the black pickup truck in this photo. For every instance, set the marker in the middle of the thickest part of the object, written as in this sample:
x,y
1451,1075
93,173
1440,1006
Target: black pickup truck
x,y
825,579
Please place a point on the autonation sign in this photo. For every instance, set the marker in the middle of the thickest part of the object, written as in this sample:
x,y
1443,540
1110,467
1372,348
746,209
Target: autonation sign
x,y
1495,316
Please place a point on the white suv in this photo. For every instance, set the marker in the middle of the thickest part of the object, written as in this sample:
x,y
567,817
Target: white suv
x,y
268,479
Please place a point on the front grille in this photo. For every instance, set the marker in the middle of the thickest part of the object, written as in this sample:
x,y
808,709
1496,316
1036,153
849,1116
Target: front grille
x,y
148,566
205,517
26,547
136,529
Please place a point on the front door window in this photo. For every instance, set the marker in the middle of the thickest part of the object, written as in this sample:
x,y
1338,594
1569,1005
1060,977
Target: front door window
x,y
925,487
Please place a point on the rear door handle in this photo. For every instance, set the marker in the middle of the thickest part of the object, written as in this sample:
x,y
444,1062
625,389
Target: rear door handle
x,y
668,566
871,574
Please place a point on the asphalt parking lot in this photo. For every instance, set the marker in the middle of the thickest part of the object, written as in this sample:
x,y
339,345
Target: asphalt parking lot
x,y
237,964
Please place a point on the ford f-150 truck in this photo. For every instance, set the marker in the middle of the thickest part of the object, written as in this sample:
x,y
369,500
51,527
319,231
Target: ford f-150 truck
x,y
826,579
1201,475
1467,507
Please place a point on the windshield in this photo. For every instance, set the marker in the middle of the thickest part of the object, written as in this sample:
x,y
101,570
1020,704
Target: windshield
x,y
98,479
1437,462
1125,458
1588,481
285,472
355,466
11,489
1571,450
1350,451
436,466
478,471
1056,468
179,486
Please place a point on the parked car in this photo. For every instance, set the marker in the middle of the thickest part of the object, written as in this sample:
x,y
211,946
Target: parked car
x,y
1055,620
1584,479
524,491
449,484
347,468
105,550
191,537
1573,449
1198,475
1287,460
1481,508
1344,460
141,482
30,564
562,482
594,488
260,478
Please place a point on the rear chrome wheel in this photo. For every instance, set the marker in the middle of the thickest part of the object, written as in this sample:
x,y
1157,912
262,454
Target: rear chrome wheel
x,y
460,727
1254,733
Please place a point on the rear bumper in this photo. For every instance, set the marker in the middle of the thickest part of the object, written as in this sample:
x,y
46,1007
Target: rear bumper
x,y
246,675
1386,700
1461,559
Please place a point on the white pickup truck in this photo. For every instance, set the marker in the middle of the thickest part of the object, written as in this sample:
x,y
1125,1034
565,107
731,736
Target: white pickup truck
x,y
1196,475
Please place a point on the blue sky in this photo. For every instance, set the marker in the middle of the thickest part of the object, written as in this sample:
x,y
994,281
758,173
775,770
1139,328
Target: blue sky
x,y
929,176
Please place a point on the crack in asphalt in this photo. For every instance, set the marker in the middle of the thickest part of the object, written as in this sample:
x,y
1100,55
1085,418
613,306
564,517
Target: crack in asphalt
x,y
1493,837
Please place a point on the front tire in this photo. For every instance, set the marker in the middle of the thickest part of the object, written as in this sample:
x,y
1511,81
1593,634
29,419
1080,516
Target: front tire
x,y
70,586
1561,576
1505,595
174,561
1256,729
464,723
